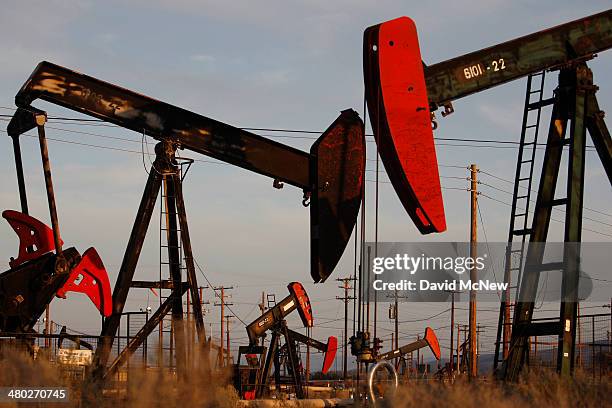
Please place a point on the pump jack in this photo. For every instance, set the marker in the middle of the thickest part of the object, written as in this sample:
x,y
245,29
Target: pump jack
x,y
429,340
367,353
43,269
402,95
257,370
330,175
38,274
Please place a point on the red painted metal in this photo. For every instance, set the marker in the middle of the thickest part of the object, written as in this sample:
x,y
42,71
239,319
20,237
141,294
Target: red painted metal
x,y
90,277
432,342
35,237
304,308
399,112
330,353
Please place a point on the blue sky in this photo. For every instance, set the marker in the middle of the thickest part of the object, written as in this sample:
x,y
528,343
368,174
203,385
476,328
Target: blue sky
x,y
274,64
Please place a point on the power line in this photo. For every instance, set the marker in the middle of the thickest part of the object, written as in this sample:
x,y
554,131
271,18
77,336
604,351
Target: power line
x,y
221,163
533,201
426,318
487,243
511,143
552,219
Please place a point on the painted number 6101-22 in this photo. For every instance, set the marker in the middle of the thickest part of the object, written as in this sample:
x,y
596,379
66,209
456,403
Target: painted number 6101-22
x,y
476,70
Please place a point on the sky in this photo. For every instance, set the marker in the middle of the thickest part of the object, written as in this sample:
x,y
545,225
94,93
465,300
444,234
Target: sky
x,y
273,64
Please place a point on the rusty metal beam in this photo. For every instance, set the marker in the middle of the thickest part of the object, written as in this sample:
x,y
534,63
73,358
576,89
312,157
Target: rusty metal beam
x,y
600,134
167,284
474,72
163,121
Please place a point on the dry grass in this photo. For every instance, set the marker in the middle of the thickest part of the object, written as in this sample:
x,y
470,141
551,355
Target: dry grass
x,y
538,389
148,388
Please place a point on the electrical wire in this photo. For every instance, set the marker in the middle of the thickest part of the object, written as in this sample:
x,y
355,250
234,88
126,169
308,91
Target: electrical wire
x,y
531,211
487,243
534,191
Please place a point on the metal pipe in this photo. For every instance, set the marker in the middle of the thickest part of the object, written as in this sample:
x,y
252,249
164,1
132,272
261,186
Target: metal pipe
x,y
371,374
23,198
44,153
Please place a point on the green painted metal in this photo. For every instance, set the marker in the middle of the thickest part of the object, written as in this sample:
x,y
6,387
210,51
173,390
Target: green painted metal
x,y
523,311
470,73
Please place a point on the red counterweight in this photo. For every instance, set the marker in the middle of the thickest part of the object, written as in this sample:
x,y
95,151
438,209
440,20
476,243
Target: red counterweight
x,y
330,353
90,277
304,307
432,342
35,237
397,101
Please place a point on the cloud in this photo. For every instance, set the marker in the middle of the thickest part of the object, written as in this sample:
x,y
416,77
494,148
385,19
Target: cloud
x,y
202,58
272,77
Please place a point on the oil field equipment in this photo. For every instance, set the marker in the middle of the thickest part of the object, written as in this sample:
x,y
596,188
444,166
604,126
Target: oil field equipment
x,y
429,340
403,94
381,363
330,175
41,271
367,353
251,380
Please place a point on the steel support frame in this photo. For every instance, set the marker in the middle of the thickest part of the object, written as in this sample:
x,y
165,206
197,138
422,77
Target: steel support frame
x,y
574,100
293,362
541,220
144,332
174,266
292,355
504,321
163,170
265,375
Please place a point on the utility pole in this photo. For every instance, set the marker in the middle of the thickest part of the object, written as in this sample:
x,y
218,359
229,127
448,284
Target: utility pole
x,y
418,356
47,326
478,331
346,286
451,363
309,334
227,337
458,348
222,303
396,322
473,368
263,308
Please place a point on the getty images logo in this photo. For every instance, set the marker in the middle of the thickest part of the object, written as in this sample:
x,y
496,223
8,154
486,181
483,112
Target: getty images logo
x,y
411,264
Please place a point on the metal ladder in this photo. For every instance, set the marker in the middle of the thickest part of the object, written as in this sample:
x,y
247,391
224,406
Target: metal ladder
x,y
521,200
166,324
271,300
